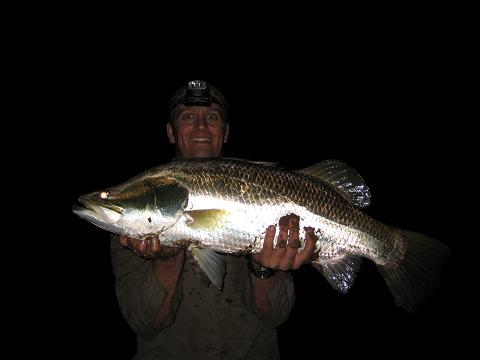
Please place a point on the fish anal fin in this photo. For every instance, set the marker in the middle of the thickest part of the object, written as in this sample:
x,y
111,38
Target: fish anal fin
x,y
340,272
208,264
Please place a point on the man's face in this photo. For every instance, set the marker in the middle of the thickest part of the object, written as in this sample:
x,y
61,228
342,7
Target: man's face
x,y
198,131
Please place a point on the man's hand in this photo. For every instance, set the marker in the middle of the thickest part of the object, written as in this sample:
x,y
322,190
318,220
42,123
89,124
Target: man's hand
x,y
149,248
285,255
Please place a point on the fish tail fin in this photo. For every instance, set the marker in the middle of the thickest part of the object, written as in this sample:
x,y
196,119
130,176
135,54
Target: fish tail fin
x,y
341,272
418,272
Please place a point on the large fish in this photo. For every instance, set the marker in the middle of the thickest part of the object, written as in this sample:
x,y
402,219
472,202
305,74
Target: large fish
x,y
224,206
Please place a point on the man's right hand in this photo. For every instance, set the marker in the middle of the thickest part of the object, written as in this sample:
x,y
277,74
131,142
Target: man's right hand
x,y
149,248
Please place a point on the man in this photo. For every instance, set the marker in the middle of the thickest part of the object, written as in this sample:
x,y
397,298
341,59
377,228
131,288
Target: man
x,y
173,313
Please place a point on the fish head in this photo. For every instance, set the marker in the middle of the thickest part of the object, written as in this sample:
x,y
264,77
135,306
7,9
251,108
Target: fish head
x,y
137,208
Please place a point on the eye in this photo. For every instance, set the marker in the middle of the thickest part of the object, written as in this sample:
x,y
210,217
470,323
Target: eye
x,y
187,116
212,117
104,195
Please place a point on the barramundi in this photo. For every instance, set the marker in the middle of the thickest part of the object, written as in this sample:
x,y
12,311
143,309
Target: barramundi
x,y
223,206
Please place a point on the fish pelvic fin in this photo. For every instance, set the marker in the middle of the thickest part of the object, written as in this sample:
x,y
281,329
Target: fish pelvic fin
x,y
418,273
341,272
208,265
344,179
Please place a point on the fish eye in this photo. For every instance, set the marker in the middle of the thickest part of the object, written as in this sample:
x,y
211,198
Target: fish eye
x,y
104,194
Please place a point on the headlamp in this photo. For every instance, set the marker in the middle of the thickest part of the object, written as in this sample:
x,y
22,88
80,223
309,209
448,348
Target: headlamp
x,y
197,94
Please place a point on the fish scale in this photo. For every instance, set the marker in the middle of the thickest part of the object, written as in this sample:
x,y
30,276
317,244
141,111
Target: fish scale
x,y
280,193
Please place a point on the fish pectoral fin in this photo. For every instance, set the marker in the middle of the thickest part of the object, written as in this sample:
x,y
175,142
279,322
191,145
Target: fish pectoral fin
x,y
341,272
208,264
206,219
344,179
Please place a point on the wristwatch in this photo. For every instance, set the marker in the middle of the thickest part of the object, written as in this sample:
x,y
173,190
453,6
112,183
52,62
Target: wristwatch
x,y
258,270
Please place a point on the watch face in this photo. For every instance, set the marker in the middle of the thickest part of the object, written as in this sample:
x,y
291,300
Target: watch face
x,y
259,271
263,274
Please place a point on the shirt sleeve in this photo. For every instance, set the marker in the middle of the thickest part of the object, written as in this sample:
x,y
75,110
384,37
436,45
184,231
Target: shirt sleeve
x,y
138,293
282,299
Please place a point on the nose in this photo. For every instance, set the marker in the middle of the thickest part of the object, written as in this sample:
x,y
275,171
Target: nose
x,y
200,122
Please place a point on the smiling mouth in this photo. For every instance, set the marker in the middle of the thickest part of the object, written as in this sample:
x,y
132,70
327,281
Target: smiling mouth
x,y
201,140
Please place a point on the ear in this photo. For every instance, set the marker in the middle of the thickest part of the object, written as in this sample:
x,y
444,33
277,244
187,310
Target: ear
x,y
170,134
225,135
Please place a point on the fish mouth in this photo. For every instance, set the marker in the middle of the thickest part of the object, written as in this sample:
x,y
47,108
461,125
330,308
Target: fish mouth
x,y
93,210
84,200
106,217
89,210
92,205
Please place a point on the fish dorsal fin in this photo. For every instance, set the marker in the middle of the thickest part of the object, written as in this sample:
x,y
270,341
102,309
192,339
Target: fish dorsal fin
x,y
210,264
341,272
264,163
346,180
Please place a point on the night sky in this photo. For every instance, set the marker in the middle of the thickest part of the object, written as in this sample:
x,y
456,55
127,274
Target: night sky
x,y
382,114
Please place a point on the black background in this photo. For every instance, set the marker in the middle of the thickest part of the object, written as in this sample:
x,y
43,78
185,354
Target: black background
x,y
384,106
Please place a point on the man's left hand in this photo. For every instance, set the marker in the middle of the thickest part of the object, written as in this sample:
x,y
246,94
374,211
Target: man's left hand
x,y
285,255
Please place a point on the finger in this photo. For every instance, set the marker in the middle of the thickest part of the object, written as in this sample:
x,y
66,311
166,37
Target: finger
x,y
132,244
294,244
265,255
293,231
282,238
280,248
155,245
148,247
141,247
268,240
307,252
123,240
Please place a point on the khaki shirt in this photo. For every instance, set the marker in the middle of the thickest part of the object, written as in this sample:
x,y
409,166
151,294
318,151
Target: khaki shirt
x,y
204,323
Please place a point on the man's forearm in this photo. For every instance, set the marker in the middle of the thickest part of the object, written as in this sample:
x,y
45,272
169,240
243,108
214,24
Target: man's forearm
x,y
167,273
261,289
271,299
